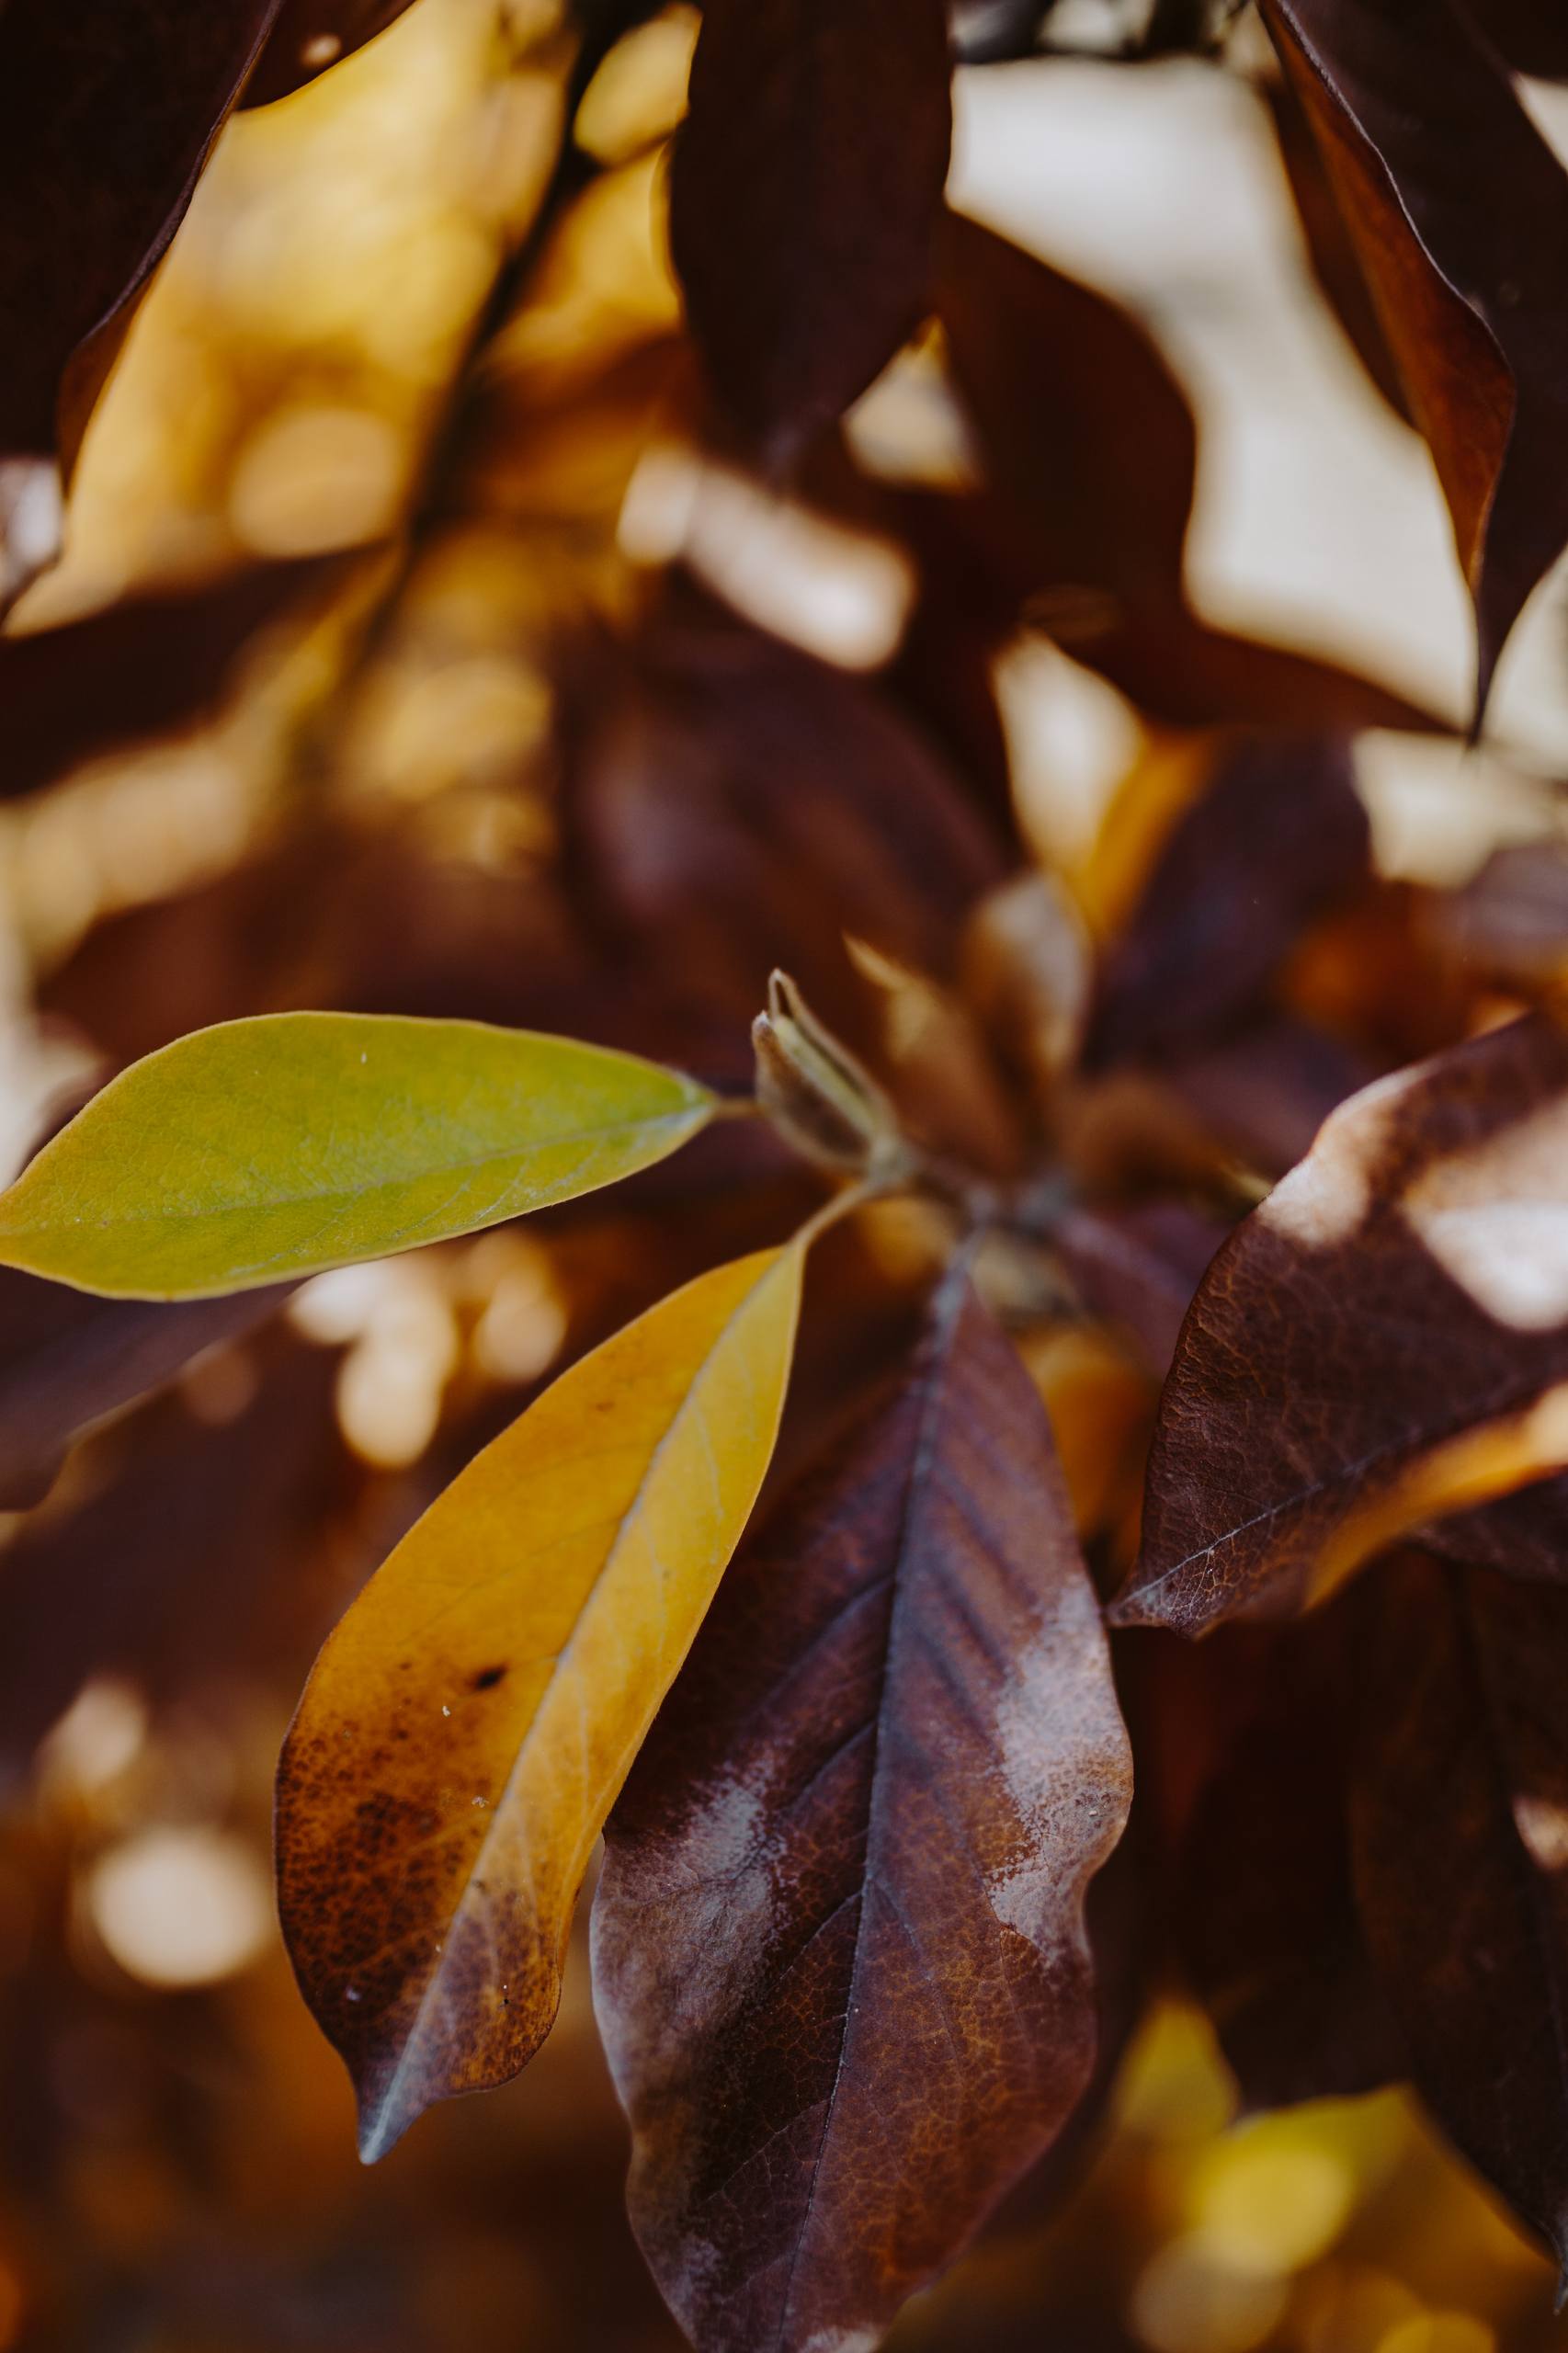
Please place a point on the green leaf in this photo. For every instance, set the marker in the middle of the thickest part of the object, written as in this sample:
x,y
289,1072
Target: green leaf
x,y
274,1147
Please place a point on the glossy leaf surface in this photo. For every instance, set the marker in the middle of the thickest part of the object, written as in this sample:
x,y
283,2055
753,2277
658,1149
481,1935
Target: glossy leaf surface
x,y
839,1954
1458,1814
804,216
262,1149
108,110
1385,1339
1461,210
468,1724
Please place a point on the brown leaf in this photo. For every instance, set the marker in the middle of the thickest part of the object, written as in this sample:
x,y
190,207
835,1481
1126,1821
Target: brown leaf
x,y
805,196
1263,1092
108,111
139,668
1265,1914
1277,836
840,1959
1461,210
68,1361
1383,1341
312,35
1177,668
1084,428
1139,1267
1331,249
1531,34
1459,1827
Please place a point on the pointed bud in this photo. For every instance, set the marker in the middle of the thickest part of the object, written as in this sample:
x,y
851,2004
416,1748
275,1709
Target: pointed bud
x,y
814,1090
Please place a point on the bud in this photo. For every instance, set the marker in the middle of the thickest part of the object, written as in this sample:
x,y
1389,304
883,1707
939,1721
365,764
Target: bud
x,y
815,1092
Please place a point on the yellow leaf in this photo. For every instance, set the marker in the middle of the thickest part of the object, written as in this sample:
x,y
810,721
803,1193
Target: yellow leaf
x,y
262,1149
469,1725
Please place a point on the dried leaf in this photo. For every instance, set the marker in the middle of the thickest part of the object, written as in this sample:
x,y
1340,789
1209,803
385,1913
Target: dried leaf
x,y
68,1361
309,36
839,1952
262,1149
468,1724
805,198
1531,34
108,111
1460,1820
1383,1341
1461,210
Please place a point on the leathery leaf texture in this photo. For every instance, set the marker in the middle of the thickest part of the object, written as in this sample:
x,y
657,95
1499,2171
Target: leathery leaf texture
x,y
261,1149
839,1952
468,1724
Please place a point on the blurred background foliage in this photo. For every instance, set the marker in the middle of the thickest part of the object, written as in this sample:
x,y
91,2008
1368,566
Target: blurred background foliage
x,y
285,749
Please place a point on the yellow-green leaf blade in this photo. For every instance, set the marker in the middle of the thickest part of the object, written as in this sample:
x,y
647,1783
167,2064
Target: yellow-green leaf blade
x,y
470,1724
261,1149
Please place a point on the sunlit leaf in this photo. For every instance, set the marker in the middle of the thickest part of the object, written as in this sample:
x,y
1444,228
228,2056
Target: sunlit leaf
x,y
1383,1341
840,1953
1459,1825
468,1724
1460,213
261,1149
804,217
108,111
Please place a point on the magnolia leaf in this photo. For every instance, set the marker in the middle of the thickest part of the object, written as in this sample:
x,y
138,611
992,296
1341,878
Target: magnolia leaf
x,y
1385,1341
467,1727
68,1362
311,35
839,1952
804,217
1459,1831
262,1149
108,111
1459,209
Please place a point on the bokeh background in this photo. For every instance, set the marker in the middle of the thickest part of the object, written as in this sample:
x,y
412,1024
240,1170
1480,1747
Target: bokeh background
x,y
176,2166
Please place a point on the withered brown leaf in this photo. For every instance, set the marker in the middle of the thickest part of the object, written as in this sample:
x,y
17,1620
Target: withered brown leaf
x,y
1384,1340
840,1960
1459,1832
805,196
108,111
1461,212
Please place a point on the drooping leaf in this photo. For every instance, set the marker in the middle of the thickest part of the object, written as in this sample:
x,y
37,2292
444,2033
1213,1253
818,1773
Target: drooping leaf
x,y
108,111
805,196
68,1361
1331,249
1459,1824
1084,431
139,668
1461,210
1276,835
1383,1341
467,1727
311,35
258,1150
839,1954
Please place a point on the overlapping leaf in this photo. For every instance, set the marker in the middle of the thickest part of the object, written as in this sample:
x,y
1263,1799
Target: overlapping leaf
x,y
468,1724
1460,210
261,1149
311,35
1384,1340
108,110
1459,1819
840,1953
805,195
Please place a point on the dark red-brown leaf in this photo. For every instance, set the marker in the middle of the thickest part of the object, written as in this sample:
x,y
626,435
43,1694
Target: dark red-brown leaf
x,y
1460,210
840,1959
108,111
312,35
1460,1834
1277,836
1384,1340
805,196
1531,34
